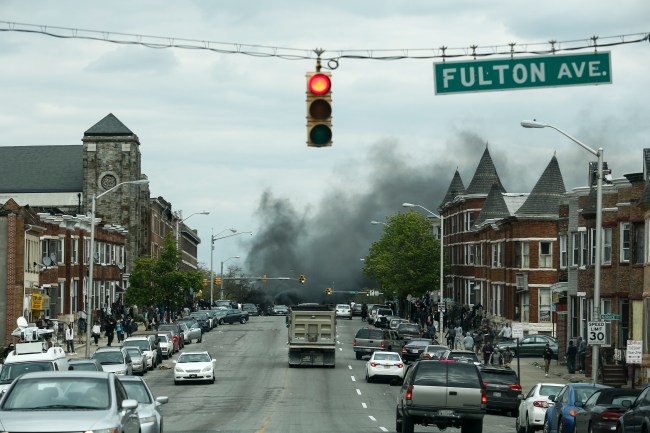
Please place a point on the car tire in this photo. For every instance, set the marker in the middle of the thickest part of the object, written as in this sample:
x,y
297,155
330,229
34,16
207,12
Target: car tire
x,y
214,379
368,378
560,429
398,422
518,427
358,354
528,427
200,340
221,322
242,321
408,425
546,427
472,426
175,382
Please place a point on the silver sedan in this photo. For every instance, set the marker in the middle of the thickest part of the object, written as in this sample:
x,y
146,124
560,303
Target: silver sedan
x,y
67,401
151,420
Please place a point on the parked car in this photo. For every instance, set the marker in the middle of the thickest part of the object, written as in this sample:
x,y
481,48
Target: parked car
x,y
368,340
251,309
280,310
444,394
601,411
433,351
85,365
147,346
532,408
85,401
385,365
114,360
407,331
193,367
151,420
343,311
533,345
138,359
192,331
637,417
412,350
395,322
460,356
204,319
177,333
166,344
560,415
502,389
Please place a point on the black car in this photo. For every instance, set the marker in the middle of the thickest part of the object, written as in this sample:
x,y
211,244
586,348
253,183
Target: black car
x,y
412,350
502,389
356,309
408,331
233,316
203,319
251,309
601,411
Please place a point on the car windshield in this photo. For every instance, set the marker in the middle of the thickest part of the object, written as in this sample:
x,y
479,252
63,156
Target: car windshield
x,y
419,343
137,390
379,356
408,328
142,344
504,377
134,352
582,394
11,371
463,356
194,357
547,390
84,366
58,393
108,357
384,312
163,338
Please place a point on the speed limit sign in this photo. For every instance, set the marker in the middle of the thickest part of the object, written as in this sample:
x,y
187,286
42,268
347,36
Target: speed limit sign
x,y
596,333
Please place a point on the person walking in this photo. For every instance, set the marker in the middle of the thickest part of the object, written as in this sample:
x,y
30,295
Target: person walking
x,y
120,331
364,312
110,331
582,354
571,353
96,332
488,350
69,340
468,342
451,334
458,341
547,355
506,331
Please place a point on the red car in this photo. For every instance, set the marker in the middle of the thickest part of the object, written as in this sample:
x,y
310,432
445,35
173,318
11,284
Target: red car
x,y
177,333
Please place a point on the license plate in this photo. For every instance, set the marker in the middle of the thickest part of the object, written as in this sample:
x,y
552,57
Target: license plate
x,y
414,351
445,413
496,394
386,366
192,375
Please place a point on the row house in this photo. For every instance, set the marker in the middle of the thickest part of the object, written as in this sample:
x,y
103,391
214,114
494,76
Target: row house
x,y
47,255
165,222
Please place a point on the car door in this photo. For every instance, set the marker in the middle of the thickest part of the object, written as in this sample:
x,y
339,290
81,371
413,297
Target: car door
x,y
129,418
583,416
557,409
525,346
525,405
633,418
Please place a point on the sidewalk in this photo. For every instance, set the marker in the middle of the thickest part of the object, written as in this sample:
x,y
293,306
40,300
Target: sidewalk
x,y
80,345
532,372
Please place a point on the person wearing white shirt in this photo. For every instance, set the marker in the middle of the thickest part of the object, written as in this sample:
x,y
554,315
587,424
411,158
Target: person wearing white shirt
x,y
69,340
506,331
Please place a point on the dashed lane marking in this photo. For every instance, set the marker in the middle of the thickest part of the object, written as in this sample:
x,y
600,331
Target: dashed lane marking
x,y
383,429
365,406
349,367
353,379
372,418
358,391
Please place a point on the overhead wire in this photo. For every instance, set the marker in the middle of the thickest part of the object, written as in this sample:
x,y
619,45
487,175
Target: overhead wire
x,y
287,53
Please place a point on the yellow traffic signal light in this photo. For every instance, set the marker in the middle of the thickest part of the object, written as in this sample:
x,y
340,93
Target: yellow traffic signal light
x,y
217,281
205,282
302,279
319,109
329,291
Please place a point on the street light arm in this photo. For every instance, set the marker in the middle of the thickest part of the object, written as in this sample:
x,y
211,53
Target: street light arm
x,y
132,182
196,213
421,207
234,234
536,124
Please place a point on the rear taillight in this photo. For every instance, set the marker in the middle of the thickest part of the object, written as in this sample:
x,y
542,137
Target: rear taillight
x,y
354,343
400,365
610,416
426,356
373,364
409,393
485,384
483,396
382,345
404,351
515,387
540,403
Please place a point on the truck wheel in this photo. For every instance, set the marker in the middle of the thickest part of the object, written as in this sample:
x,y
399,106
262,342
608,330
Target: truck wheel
x,y
358,355
408,426
472,426
398,422
243,320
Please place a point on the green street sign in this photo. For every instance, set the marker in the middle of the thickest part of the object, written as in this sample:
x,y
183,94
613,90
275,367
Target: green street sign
x,y
610,317
449,299
522,73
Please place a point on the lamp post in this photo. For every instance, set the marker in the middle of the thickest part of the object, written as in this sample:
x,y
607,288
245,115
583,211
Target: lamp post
x,y
442,234
378,222
180,220
221,281
216,238
595,312
90,287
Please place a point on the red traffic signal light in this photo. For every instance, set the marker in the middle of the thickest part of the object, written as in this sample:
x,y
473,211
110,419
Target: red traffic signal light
x,y
319,109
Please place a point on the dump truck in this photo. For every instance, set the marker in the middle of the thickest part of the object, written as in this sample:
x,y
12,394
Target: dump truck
x,y
312,335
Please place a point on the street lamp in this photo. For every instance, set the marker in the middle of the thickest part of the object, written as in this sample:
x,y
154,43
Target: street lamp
x,y
378,222
180,220
216,238
442,234
90,287
595,312
222,262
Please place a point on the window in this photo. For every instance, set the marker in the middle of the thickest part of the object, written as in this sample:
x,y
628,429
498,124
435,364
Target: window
x,y
497,254
605,306
53,249
522,282
544,304
563,252
469,220
592,235
639,249
525,304
496,299
75,251
575,249
545,254
625,242
607,246
478,254
469,254
522,254
73,296
583,249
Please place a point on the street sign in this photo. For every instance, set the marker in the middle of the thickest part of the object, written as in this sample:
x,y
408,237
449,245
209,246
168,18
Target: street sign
x,y
609,317
441,307
517,330
634,352
449,299
522,73
596,333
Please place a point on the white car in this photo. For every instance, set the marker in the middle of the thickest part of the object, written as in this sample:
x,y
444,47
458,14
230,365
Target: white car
x,y
532,408
151,420
166,345
344,310
385,364
193,367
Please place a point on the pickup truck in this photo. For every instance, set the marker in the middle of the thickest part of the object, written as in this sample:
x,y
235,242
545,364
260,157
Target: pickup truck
x,y
444,394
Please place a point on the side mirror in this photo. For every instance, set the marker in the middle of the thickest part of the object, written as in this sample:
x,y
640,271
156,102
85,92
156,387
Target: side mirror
x,y
551,397
579,403
520,396
626,403
129,404
174,361
162,400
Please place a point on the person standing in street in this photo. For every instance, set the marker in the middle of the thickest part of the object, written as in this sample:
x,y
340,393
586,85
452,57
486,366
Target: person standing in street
x,y
458,341
506,331
120,331
488,350
69,339
468,342
110,331
571,353
582,354
547,355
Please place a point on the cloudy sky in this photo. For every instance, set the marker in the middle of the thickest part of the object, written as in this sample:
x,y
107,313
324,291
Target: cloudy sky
x,y
226,132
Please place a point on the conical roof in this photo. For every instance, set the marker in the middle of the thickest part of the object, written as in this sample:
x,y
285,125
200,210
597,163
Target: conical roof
x,y
485,176
455,188
109,126
545,197
494,206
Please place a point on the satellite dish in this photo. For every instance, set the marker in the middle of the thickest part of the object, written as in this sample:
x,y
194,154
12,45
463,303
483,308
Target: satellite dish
x,y
22,322
47,261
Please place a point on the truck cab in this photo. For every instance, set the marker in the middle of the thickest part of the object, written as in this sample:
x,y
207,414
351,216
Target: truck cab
x,y
31,356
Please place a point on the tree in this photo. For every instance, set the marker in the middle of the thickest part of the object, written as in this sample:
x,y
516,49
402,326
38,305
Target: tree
x,y
406,259
159,281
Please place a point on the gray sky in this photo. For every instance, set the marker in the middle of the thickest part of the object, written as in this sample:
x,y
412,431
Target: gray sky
x,y
226,132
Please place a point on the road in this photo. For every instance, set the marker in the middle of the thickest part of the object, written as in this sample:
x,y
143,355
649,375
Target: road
x,y
256,391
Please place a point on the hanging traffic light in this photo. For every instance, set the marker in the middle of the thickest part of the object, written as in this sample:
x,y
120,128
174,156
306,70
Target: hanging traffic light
x,y
319,109
205,282
217,281
302,279
329,290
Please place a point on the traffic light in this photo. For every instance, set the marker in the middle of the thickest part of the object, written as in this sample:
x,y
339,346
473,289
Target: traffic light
x,y
319,109
205,282
302,279
217,281
329,291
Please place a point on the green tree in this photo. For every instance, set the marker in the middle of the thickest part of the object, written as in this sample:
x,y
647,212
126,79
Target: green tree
x,y
406,259
159,281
